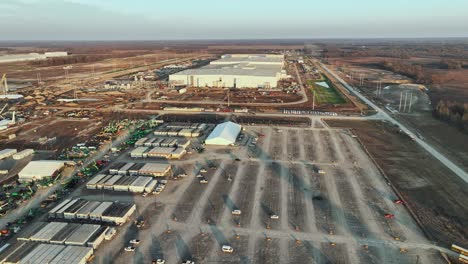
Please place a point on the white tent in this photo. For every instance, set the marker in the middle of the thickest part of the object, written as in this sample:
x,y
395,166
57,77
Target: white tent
x,y
224,134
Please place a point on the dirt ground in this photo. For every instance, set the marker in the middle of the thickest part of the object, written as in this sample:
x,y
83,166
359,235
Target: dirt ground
x,y
321,218
433,193
444,137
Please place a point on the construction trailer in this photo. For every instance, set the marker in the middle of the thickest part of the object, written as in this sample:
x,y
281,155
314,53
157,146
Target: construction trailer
x,y
114,168
70,213
74,254
133,171
139,152
138,186
149,188
95,240
140,142
86,210
96,214
23,154
155,169
118,213
92,184
124,169
109,184
48,232
81,235
6,153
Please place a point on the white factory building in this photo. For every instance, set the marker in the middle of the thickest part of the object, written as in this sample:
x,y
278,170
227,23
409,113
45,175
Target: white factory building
x,y
235,71
31,56
224,134
40,169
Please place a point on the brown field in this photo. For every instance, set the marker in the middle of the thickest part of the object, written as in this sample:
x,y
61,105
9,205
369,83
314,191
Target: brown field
x,y
435,195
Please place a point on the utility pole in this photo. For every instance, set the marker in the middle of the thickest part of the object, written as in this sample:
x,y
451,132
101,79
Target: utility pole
x,y
401,98
39,79
410,102
361,80
313,100
406,99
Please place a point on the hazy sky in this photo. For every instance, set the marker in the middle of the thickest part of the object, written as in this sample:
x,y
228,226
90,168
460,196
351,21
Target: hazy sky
x,y
230,19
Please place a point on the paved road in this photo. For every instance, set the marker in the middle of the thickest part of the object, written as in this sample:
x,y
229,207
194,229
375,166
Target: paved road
x,y
385,116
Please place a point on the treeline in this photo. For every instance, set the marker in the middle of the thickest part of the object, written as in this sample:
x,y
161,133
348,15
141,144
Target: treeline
x,y
81,58
68,60
454,113
415,71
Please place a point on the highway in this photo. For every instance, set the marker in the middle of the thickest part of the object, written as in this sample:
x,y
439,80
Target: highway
x,y
385,116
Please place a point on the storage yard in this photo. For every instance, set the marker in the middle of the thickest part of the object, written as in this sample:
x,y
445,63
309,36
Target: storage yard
x,y
235,186
299,204
323,201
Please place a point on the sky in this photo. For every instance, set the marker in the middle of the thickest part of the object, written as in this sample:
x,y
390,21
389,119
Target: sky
x,y
230,19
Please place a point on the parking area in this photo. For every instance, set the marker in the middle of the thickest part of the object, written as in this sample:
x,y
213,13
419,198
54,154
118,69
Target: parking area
x,y
281,195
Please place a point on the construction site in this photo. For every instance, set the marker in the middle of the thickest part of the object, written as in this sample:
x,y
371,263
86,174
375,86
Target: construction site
x,y
133,163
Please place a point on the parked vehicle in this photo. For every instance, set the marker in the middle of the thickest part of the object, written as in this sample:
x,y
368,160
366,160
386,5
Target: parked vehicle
x,y
236,212
227,249
135,241
129,249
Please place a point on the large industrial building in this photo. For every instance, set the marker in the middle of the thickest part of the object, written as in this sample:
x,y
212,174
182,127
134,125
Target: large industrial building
x,y
40,169
235,71
224,134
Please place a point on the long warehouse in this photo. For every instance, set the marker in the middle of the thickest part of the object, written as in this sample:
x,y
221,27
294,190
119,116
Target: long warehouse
x,y
235,71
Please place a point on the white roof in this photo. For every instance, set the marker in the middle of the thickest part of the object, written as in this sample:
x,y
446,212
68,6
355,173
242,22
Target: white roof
x,y
241,65
41,168
224,134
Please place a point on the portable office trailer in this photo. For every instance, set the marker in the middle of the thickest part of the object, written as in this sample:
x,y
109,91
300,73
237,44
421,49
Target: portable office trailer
x,y
118,213
109,184
140,142
96,214
5,153
23,154
151,185
139,152
86,210
157,142
135,169
100,184
52,213
30,230
155,169
73,254
114,168
92,184
138,186
48,231
70,213
98,237
62,236
43,253
61,211
125,168
124,183
149,142
81,235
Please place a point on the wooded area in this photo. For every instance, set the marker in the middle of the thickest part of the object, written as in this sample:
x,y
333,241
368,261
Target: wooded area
x,y
454,113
